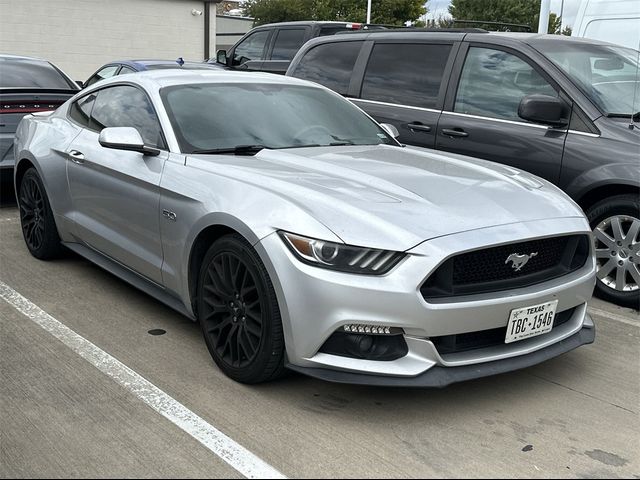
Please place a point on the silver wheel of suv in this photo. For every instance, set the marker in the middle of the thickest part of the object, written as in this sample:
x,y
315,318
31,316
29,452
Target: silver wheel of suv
x,y
617,245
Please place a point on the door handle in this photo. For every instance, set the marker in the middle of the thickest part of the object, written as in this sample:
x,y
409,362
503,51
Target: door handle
x,y
455,132
419,127
76,157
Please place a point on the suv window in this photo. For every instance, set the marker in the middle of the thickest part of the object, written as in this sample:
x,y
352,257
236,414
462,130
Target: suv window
x,y
251,47
406,74
288,42
330,64
494,81
125,106
106,72
80,111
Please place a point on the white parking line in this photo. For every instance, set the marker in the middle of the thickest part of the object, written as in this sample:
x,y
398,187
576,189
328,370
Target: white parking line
x,y
614,316
224,447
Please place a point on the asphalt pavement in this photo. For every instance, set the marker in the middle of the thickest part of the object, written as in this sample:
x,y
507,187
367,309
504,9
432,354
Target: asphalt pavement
x,y
64,413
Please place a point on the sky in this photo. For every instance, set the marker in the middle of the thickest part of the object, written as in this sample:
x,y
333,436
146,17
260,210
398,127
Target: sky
x,y
439,7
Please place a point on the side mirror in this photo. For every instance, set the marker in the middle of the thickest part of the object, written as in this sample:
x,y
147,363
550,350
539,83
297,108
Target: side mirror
x,y
390,129
80,83
544,109
125,138
221,57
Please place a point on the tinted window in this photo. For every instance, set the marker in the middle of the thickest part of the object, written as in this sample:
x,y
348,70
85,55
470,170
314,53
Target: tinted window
x,y
288,42
330,64
214,116
607,74
28,73
124,70
251,48
493,82
125,106
405,74
80,111
103,73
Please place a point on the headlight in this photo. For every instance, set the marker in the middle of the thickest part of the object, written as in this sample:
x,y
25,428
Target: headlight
x,y
337,256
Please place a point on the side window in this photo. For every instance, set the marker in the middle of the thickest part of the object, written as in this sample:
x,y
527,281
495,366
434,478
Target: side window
x,y
106,72
288,42
124,70
125,106
80,110
251,47
405,74
330,64
493,82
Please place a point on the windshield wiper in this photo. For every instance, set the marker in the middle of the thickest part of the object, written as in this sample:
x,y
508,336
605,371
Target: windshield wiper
x,y
249,150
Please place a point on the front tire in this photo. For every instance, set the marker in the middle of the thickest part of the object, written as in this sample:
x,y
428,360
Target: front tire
x,y
238,312
36,218
615,222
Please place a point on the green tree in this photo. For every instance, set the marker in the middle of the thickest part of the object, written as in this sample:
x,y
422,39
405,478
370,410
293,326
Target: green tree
x,y
394,12
523,12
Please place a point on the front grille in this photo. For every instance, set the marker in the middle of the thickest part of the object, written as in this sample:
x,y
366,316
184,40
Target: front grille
x,y
464,342
490,270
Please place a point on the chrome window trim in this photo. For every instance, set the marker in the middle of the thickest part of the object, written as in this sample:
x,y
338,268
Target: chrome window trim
x,y
501,120
376,102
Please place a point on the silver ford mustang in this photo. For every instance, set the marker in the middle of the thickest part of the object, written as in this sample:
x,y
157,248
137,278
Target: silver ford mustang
x,y
301,235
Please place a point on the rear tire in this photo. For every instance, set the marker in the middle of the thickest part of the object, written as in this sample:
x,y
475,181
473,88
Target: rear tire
x,y
36,218
238,312
615,222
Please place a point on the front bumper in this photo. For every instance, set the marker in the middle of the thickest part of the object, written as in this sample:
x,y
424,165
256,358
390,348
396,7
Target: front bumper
x,y
442,376
315,302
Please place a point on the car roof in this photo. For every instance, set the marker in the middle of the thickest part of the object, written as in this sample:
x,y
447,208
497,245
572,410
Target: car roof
x,y
142,65
155,79
9,56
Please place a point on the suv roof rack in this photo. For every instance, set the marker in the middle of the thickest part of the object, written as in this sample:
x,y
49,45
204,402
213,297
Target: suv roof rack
x,y
524,27
414,29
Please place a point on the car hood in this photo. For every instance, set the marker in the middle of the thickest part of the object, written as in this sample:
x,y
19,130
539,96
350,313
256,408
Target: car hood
x,y
395,198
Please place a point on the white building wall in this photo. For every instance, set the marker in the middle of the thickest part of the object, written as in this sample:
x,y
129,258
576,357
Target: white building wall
x,y
81,35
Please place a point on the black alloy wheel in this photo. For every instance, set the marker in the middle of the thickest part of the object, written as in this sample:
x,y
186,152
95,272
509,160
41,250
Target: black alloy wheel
x,y
238,312
36,218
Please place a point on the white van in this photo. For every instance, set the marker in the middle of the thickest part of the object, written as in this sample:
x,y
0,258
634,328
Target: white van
x,y
615,21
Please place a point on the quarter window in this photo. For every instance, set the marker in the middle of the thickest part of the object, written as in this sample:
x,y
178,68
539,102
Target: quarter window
x,y
493,82
106,72
80,111
251,48
406,74
124,70
330,64
288,42
125,106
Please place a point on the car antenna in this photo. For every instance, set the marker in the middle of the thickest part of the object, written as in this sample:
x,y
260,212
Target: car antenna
x,y
635,91
180,61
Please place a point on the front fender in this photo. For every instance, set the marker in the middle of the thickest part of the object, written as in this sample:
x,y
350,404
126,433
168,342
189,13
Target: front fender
x,y
602,176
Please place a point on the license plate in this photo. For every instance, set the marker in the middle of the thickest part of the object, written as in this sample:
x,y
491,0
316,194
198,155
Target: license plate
x,y
530,321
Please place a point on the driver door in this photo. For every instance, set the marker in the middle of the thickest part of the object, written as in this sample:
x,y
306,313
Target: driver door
x,y
115,193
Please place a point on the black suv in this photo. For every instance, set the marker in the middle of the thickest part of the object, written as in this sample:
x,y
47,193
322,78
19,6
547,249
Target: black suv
x,y
270,48
559,107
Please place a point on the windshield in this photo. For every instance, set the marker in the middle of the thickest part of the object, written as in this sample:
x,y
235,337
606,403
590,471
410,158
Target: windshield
x,y
607,74
224,116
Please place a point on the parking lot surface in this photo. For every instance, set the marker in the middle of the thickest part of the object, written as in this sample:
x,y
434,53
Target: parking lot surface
x,y
573,416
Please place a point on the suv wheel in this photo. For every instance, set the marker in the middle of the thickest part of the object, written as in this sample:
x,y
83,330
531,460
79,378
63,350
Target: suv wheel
x,y
616,227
